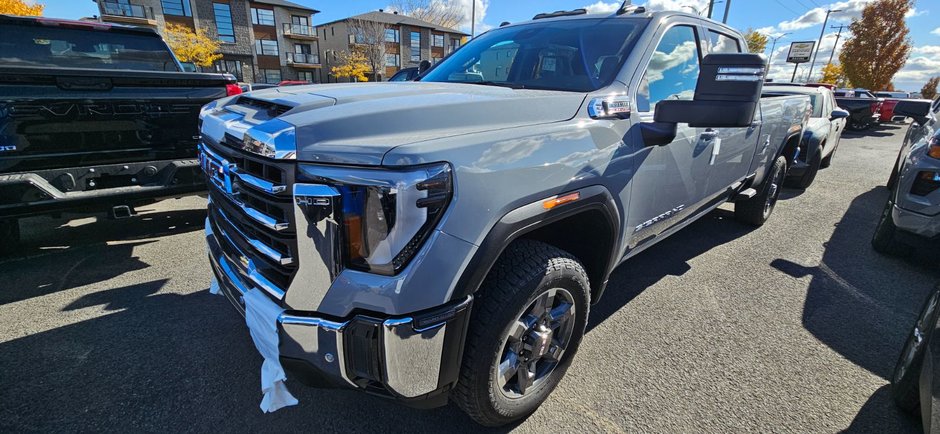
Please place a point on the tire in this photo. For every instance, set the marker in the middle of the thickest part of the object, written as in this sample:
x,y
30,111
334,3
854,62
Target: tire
x,y
528,270
756,210
826,162
905,387
885,238
9,236
895,173
809,176
858,126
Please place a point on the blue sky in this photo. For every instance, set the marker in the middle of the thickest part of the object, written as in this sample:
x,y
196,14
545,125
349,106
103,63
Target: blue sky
x,y
801,18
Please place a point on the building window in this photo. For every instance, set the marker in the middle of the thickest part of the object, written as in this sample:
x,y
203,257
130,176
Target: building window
x,y
177,7
305,76
434,60
437,41
415,46
392,35
300,21
454,44
266,47
262,17
233,67
272,76
392,60
223,22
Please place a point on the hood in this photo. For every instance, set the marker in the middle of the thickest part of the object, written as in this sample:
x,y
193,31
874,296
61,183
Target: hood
x,y
358,123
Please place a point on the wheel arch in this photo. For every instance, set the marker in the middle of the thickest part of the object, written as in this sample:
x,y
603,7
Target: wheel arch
x,y
588,228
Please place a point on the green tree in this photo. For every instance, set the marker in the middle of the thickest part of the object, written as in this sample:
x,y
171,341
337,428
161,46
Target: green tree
x,y
880,44
929,90
756,42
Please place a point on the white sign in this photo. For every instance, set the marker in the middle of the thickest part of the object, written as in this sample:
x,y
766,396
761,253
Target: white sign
x,y
800,52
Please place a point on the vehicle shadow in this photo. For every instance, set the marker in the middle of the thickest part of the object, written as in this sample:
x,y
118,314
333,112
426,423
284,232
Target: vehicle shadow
x,y
880,415
162,361
667,258
85,251
860,303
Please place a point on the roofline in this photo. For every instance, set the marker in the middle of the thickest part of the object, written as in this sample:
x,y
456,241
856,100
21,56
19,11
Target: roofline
x,y
296,6
429,26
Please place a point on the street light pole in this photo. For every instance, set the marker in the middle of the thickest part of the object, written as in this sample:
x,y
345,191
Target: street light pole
x,y
473,19
727,8
773,46
818,43
711,5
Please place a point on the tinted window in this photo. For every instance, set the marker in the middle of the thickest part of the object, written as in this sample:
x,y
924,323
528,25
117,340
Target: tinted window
x,y
573,55
223,22
721,43
177,7
673,70
46,46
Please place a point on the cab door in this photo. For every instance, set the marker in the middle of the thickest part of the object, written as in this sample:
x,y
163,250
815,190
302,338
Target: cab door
x,y
732,149
670,181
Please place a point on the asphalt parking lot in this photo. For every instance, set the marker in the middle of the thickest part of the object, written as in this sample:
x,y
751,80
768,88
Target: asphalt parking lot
x,y
793,327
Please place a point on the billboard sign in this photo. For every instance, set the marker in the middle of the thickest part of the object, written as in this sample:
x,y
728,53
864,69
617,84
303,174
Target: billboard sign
x,y
800,52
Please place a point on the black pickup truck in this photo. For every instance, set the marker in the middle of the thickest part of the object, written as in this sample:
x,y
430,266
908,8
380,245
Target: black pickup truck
x,y
94,117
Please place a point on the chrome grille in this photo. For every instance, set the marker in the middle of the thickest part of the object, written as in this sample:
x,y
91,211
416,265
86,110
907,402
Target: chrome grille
x,y
252,211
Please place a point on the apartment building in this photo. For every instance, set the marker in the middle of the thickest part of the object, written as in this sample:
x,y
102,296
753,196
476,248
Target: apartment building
x,y
264,41
407,40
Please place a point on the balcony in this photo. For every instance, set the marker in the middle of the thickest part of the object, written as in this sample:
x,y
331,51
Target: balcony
x,y
112,11
300,31
303,60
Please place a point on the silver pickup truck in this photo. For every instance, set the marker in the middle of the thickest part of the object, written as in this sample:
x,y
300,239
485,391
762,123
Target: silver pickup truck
x,y
446,238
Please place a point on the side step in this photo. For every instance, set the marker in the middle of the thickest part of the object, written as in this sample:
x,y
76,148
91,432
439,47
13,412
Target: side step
x,y
744,195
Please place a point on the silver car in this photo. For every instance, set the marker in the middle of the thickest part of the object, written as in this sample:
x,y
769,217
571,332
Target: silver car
x,y
912,213
821,136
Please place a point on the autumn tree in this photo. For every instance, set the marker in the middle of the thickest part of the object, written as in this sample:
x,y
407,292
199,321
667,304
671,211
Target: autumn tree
x,y
369,37
189,46
929,90
834,74
447,14
21,7
756,42
353,65
880,44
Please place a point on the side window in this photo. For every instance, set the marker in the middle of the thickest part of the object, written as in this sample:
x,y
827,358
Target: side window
x,y
673,70
721,43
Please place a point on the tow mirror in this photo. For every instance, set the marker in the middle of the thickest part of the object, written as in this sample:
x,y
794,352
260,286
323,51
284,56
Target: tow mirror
x,y
838,114
917,109
727,95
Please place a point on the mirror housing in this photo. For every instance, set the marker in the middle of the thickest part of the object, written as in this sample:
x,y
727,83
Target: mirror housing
x,y
917,109
838,114
727,93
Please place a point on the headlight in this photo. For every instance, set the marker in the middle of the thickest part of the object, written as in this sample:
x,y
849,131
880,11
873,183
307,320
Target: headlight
x,y
933,147
386,215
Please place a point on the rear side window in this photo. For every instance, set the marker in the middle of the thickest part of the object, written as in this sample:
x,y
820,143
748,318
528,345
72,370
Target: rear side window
x,y
673,70
58,47
722,43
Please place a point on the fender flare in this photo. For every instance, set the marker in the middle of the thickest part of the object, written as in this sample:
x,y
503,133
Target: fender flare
x,y
533,216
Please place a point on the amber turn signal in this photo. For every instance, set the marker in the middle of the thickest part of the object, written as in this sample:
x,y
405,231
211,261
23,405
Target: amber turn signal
x,y
560,200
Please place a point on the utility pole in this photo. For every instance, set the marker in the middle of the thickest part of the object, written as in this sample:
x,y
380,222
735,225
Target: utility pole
x,y
821,33
838,35
727,8
473,19
770,61
711,5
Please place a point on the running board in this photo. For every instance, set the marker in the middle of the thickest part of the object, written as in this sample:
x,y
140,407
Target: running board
x,y
744,195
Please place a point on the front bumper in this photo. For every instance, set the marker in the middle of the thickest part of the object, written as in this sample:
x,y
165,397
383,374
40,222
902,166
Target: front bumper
x,y
415,358
918,224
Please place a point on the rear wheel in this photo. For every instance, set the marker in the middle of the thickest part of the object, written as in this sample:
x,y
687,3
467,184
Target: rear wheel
x,y
859,126
529,318
885,240
826,162
9,236
756,210
904,382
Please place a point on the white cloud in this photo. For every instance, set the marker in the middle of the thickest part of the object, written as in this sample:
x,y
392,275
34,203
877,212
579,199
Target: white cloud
x,y
466,7
679,5
602,7
936,31
926,50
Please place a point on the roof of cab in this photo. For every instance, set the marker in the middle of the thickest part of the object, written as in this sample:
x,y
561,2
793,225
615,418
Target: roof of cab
x,y
629,15
77,23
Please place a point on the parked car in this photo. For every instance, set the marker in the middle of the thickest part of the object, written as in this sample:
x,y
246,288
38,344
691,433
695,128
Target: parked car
x,y
915,383
463,231
821,136
94,117
405,74
248,87
863,107
912,211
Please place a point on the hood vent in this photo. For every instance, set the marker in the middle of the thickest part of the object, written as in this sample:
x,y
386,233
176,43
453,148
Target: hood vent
x,y
274,109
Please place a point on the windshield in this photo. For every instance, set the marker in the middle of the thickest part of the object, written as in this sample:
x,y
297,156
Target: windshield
x,y
403,75
53,47
580,55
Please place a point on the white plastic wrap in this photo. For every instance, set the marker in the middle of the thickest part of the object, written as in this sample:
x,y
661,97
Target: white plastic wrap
x,y
261,316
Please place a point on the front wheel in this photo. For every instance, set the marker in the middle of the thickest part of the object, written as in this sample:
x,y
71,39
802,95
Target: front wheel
x,y
809,176
528,320
885,240
756,210
904,382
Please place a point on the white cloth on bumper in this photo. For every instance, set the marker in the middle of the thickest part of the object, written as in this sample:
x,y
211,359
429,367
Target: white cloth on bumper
x,y
261,315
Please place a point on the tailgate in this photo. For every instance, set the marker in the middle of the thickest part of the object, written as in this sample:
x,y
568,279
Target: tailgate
x,y
83,118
